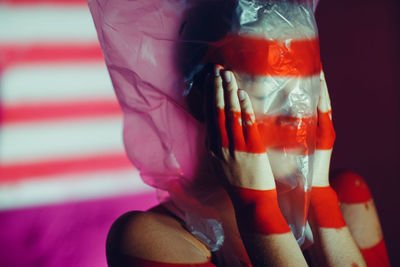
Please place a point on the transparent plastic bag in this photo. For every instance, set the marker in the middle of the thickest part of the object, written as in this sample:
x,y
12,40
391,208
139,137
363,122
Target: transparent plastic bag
x,y
156,50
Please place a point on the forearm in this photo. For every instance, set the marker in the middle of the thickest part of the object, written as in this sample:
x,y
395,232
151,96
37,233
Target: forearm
x,y
272,250
264,231
334,245
249,178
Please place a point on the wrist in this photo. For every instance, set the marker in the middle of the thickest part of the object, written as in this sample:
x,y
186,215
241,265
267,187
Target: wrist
x,y
320,177
258,211
324,208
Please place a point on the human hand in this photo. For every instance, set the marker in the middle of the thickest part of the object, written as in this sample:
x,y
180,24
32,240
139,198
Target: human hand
x,y
242,156
326,219
240,152
325,138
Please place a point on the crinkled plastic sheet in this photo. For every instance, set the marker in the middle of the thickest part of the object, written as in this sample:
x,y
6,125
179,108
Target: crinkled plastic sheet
x,y
156,50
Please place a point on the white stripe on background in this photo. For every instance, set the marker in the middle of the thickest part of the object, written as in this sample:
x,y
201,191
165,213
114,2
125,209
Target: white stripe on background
x,y
59,82
61,139
60,189
31,24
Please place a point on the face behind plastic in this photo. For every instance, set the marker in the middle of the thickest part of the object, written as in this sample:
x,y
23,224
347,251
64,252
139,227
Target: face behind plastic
x,y
153,48
272,48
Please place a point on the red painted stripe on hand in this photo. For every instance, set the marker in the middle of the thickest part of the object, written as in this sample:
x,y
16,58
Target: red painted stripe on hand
x,y
252,135
257,56
243,137
235,134
325,132
54,111
222,128
324,208
351,188
83,164
277,132
258,210
376,256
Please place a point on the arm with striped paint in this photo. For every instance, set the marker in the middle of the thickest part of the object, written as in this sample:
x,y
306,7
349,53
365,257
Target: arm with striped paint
x,y
242,156
334,244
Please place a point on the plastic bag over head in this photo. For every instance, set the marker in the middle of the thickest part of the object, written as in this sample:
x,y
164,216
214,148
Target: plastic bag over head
x,y
157,50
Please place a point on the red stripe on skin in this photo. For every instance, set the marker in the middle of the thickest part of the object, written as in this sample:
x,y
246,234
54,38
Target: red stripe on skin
x,y
325,209
222,128
376,256
258,210
252,135
277,132
257,56
36,112
351,188
235,124
14,54
245,138
28,170
325,132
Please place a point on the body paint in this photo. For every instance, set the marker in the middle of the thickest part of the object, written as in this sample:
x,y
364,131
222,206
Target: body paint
x,y
258,56
325,208
259,211
352,191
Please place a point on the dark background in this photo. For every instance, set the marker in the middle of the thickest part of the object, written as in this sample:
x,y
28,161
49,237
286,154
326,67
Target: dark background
x,y
360,51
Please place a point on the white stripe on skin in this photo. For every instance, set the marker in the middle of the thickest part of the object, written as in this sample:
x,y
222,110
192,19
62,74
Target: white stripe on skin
x,y
362,220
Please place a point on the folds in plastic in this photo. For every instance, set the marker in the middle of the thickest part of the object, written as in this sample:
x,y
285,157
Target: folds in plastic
x,y
157,50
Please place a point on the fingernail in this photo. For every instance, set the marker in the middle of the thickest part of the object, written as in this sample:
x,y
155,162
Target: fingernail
x,y
227,76
241,95
217,70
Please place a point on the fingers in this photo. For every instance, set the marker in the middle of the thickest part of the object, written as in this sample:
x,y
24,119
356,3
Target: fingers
x,y
219,91
236,120
325,131
233,114
250,130
220,104
324,103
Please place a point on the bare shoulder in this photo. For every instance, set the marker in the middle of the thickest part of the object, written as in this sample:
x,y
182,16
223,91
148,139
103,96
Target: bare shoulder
x,y
155,236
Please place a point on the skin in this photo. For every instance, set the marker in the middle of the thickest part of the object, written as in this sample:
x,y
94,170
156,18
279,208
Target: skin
x,y
248,170
363,222
150,235
333,247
